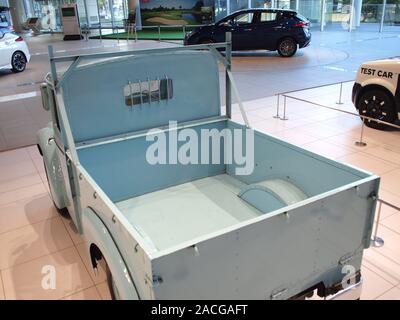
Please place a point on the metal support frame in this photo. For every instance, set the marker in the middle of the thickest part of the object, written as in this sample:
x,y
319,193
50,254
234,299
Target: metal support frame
x,y
228,67
343,111
277,107
76,59
361,143
375,240
98,13
340,94
383,15
284,109
111,7
323,9
87,18
351,15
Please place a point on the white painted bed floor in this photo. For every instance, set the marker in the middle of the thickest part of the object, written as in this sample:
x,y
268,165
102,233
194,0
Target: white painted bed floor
x,y
172,216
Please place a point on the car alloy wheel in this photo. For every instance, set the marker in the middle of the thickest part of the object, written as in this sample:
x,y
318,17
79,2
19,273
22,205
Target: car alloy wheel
x,y
287,47
18,62
376,104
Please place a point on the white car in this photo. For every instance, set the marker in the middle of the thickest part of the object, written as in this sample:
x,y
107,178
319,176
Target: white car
x,y
14,53
376,92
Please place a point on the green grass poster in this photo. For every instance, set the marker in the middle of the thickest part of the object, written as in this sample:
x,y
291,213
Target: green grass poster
x,y
176,12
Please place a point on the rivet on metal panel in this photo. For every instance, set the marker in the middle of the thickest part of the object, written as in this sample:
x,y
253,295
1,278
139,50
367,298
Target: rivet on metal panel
x,y
196,251
287,215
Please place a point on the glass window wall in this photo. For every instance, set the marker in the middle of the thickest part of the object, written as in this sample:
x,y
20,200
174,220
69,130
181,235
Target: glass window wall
x,y
365,15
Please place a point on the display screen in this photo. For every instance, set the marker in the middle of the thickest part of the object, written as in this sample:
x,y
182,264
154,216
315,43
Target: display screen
x,y
68,12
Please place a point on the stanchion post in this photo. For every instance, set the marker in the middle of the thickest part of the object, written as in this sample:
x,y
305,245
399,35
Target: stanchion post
x,y
361,143
159,33
277,107
377,241
340,94
284,109
135,29
228,68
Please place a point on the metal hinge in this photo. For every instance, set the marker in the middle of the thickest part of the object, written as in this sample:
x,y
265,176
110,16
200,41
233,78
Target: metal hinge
x,y
156,281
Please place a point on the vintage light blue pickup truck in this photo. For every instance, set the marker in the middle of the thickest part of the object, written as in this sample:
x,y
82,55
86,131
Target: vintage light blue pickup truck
x,y
296,223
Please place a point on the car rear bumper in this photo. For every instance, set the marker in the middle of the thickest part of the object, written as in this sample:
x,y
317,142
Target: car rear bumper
x,y
305,42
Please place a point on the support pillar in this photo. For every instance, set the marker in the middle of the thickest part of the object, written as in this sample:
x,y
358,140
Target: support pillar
x,y
357,13
134,8
18,15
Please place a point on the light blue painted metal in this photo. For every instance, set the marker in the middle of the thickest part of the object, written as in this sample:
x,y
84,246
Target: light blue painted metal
x,y
127,175
48,147
290,251
97,233
95,102
312,173
322,223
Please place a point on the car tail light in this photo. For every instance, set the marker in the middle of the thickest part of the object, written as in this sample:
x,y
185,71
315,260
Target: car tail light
x,y
19,39
301,24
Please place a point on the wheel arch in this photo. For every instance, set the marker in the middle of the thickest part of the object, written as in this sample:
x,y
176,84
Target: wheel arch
x,y
16,51
100,244
48,149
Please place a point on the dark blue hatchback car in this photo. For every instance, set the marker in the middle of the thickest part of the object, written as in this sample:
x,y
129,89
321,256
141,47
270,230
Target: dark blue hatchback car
x,y
255,29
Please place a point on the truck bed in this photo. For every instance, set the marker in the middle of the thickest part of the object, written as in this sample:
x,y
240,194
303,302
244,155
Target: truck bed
x,y
180,213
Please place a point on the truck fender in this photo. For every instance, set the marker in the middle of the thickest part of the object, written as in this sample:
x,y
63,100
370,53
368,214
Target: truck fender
x,y
96,233
48,149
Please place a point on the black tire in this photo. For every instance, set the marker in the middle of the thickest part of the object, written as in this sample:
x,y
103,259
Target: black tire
x,y
110,283
378,104
18,62
287,47
62,211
